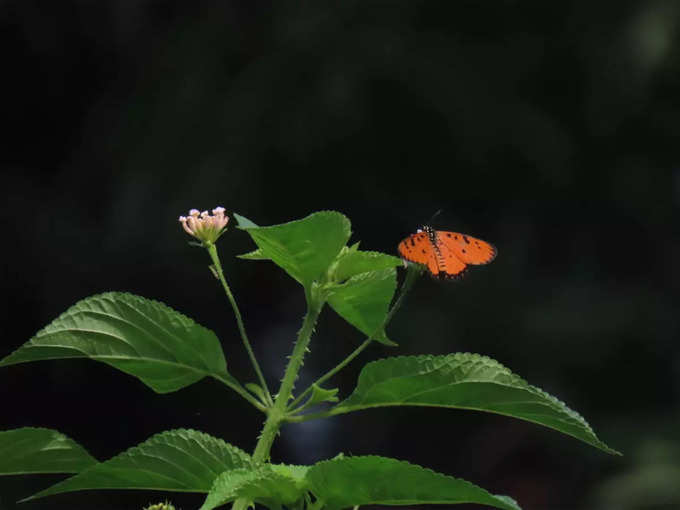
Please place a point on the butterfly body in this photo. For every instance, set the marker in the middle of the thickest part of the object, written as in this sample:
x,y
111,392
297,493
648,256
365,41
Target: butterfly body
x,y
445,254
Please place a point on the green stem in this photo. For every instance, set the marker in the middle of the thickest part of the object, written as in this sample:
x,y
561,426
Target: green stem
x,y
329,374
277,413
234,385
411,275
212,251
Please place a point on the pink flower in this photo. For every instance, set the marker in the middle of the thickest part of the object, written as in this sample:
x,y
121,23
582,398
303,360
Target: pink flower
x,y
203,226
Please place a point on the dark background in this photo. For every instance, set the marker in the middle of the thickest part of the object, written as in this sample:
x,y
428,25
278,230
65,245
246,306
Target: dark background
x,y
548,128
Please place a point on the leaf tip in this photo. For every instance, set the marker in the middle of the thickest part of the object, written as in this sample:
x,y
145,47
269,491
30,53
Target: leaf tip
x,y
243,222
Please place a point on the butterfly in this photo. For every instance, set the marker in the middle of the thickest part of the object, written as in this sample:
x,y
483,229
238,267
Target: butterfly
x,y
445,254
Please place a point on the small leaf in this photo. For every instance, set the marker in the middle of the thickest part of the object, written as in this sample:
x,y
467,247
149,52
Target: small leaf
x,y
370,480
364,302
304,248
32,450
353,262
147,339
320,394
176,460
463,381
267,485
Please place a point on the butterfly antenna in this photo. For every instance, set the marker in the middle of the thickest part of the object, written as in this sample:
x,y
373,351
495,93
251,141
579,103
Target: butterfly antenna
x,y
429,222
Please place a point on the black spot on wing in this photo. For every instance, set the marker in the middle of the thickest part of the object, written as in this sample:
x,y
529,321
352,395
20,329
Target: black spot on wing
x,y
494,252
449,276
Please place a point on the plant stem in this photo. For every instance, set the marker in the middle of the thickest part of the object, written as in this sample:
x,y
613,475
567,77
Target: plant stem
x,y
411,275
234,385
212,251
277,413
331,373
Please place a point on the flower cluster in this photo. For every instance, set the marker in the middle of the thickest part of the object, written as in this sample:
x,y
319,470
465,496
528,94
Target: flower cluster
x,y
203,226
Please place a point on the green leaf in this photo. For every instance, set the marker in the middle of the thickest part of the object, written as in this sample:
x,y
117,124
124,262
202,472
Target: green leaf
x,y
176,460
463,381
350,481
320,394
144,338
304,248
298,473
352,262
271,486
32,450
364,301
244,222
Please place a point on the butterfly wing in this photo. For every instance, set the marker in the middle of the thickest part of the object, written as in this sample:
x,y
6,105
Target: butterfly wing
x,y
419,249
450,266
467,249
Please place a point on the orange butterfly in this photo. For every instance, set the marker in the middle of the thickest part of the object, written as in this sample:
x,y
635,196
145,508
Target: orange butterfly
x,y
445,254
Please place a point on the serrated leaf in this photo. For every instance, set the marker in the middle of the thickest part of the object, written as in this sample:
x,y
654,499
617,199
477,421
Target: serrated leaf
x,y
296,472
267,485
36,450
147,339
463,381
303,248
364,302
370,480
353,262
176,460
